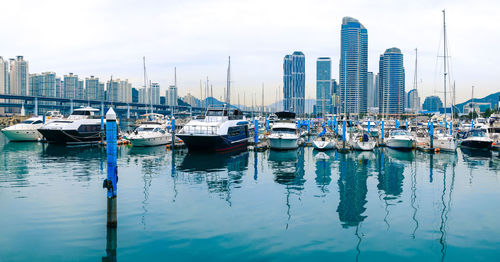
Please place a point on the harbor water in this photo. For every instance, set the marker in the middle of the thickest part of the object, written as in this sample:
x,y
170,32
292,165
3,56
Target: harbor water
x,y
298,205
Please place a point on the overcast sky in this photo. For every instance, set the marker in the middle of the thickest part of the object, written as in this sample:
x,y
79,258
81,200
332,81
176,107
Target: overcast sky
x,y
104,38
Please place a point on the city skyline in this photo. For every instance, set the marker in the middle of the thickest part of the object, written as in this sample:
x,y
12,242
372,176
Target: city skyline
x,y
257,40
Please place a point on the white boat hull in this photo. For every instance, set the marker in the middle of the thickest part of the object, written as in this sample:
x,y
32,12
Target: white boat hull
x,y
446,144
22,135
323,145
150,141
279,143
403,144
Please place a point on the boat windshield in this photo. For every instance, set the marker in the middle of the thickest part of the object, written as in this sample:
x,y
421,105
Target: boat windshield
x,y
27,121
477,133
145,129
215,113
399,133
284,130
81,113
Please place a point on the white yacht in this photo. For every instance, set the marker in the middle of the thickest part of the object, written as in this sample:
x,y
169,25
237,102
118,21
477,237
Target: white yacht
x,y
27,129
284,134
152,132
400,139
82,126
363,142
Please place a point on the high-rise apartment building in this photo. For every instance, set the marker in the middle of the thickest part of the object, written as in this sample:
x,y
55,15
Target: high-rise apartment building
x,y
391,82
43,84
113,90
294,82
353,67
171,96
19,76
72,87
432,103
94,90
4,80
323,85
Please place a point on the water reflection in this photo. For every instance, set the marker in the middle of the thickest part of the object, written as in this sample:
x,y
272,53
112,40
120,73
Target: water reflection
x,y
352,189
323,170
220,172
110,245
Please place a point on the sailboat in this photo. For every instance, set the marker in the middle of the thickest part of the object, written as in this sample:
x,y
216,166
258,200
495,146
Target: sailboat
x,y
445,141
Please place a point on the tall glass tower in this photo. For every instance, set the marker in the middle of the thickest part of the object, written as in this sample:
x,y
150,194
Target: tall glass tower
x,y
294,82
391,82
323,85
353,67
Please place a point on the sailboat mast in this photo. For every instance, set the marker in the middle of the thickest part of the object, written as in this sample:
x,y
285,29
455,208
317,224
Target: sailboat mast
x,y
444,58
228,84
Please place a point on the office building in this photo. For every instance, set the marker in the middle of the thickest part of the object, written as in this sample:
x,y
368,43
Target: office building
x,y
432,103
323,86
353,67
171,96
413,100
294,84
391,82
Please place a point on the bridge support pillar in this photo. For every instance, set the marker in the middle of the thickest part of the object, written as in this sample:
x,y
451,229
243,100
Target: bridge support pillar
x,y
71,106
128,111
36,107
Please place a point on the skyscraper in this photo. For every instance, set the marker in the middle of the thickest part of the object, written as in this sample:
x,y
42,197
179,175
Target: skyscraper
x,y
294,82
335,97
413,100
370,90
392,82
113,90
19,76
353,67
323,85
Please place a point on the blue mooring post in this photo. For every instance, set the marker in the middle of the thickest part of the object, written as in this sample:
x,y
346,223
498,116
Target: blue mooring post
x,y
173,132
451,128
36,106
43,119
266,123
343,131
256,132
368,126
431,131
382,129
112,177
472,123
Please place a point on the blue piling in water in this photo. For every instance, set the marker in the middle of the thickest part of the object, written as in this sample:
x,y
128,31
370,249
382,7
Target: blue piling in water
x,y
266,123
431,131
368,126
343,130
112,171
472,124
43,119
173,132
382,131
256,132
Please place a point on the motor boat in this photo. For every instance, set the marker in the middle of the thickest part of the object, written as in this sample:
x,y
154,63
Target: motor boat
x,y
222,129
400,139
363,142
27,129
152,132
81,127
445,142
284,133
476,139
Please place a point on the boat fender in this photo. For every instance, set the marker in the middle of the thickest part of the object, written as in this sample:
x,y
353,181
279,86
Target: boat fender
x,y
108,184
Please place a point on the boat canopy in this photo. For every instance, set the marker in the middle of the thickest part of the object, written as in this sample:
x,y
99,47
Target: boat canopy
x,y
285,115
